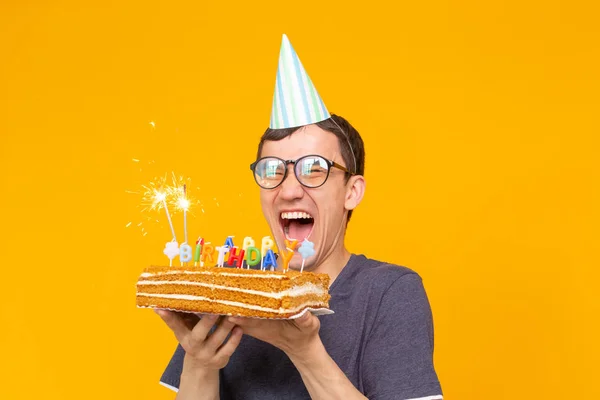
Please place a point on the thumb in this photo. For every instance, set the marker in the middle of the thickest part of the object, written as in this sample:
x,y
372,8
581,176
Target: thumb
x,y
306,320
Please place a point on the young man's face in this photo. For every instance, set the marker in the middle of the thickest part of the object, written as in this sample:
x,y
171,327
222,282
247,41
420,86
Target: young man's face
x,y
326,205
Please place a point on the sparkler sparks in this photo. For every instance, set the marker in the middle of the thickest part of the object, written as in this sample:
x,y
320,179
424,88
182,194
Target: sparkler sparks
x,y
155,198
170,192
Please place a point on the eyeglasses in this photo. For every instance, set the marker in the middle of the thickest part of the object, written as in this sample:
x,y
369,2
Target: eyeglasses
x,y
311,171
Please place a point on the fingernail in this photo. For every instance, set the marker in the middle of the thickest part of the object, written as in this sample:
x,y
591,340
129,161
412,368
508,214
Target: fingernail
x,y
212,317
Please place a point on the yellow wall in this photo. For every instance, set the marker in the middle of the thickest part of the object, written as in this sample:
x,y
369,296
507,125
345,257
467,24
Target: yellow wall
x,y
481,124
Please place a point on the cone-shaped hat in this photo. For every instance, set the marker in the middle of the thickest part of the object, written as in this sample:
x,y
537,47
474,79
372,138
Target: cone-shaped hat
x,y
296,101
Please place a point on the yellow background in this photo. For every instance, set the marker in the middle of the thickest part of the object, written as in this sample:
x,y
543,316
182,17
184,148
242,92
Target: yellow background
x,y
481,126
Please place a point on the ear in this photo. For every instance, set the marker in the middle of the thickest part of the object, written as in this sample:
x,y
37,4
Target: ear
x,y
355,190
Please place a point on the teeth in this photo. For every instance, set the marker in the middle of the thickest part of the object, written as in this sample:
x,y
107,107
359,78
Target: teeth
x,y
295,215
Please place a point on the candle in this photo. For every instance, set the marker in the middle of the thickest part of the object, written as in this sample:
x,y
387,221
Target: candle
x,y
307,249
252,256
236,254
185,253
269,260
267,244
248,242
286,256
171,250
207,252
229,242
199,244
221,258
291,244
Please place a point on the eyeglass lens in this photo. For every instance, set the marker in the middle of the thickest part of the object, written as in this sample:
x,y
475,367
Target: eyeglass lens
x,y
311,171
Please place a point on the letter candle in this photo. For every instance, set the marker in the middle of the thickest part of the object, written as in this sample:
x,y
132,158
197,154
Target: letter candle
x,y
270,260
207,252
267,244
236,254
185,253
221,258
286,256
247,243
199,244
252,257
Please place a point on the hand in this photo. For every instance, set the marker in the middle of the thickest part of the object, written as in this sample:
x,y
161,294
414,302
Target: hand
x,y
296,337
203,349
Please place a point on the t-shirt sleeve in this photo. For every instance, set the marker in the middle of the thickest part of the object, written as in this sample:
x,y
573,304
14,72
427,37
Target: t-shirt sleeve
x,y
397,361
170,378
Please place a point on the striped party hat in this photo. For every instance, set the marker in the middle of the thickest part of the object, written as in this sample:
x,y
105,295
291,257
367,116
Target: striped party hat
x,y
296,101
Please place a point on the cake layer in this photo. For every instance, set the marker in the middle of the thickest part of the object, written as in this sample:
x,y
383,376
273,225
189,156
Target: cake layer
x,y
297,290
232,291
242,278
200,304
175,304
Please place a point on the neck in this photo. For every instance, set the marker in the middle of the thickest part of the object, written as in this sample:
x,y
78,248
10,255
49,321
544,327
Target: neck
x,y
334,264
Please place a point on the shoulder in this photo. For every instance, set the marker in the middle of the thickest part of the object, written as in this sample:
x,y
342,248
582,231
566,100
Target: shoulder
x,y
395,288
383,275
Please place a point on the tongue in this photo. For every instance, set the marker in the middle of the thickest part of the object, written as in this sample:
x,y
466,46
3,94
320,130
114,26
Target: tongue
x,y
299,231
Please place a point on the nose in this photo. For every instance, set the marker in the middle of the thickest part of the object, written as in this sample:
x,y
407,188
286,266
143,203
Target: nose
x,y
291,189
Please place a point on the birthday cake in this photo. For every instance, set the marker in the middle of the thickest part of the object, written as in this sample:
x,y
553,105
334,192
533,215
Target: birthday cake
x,y
232,291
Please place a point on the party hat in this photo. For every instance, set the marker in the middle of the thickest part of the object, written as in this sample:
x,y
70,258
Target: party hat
x,y
296,101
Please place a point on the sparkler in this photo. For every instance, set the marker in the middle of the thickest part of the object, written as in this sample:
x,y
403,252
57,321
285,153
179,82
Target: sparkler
x,y
184,204
168,192
162,197
155,198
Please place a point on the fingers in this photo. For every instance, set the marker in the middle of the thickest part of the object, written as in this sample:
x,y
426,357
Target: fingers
x,y
216,339
305,321
203,327
187,328
234,340
211,349
245,322
190,320
251,326
175,322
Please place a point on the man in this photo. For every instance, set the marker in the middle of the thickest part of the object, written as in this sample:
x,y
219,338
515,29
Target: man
x,y
379,342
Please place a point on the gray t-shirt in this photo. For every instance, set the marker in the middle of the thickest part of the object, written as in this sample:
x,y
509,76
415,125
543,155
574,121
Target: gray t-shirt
x,y
381,336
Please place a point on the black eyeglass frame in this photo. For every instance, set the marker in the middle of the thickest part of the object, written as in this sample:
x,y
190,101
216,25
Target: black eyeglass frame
x,y
331,164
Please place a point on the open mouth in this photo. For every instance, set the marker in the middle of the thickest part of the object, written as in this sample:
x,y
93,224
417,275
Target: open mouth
x,y
297,225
